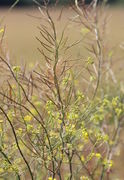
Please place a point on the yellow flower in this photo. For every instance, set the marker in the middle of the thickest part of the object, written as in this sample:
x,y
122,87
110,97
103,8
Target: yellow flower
x,y
82,158
85,134
11,115
80,95
16,68
59,121
1,170
98,155
118,111
1,30
27,118
107,163
105,137
29,127
115,101
106,102
84,178
110,163
92,78
50,178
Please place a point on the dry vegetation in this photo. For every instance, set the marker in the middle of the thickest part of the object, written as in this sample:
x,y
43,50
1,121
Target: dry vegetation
x,y
62,94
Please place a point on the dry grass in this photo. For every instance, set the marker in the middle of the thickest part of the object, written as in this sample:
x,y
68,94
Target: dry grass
x,y
22,29
20,38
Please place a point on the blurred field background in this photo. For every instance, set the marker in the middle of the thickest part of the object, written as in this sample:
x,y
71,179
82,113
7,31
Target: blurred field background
x,y
21,30
21,44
